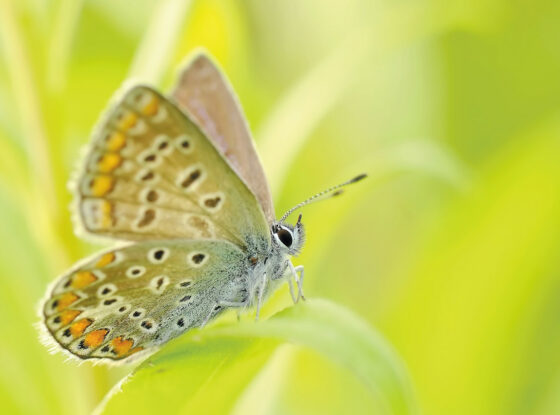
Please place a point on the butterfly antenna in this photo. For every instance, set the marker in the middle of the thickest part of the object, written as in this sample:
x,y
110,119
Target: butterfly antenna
x,y
325,194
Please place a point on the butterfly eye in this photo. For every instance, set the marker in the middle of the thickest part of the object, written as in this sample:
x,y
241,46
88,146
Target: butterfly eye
x,y
285,237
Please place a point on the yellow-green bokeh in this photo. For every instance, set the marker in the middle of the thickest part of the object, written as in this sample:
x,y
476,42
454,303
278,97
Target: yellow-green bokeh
x,y
450,249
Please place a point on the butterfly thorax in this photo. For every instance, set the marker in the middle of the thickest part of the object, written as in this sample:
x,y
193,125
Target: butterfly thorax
x,y
272,264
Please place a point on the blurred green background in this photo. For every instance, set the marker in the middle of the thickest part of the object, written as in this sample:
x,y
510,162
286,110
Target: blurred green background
x,y
450,249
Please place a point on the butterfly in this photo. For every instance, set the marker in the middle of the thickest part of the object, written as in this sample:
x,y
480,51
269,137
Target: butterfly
x,y
179,182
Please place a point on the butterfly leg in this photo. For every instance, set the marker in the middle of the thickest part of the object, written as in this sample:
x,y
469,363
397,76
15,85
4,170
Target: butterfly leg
x,y
207,319
240,305
261,296
291,285
299,269
298,279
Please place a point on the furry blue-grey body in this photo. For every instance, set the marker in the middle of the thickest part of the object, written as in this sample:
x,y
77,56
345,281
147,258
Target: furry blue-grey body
x,y
240,279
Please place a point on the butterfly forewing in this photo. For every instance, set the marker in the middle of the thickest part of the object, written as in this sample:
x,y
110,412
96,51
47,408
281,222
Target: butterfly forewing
x,y
204,92
153,174
135,298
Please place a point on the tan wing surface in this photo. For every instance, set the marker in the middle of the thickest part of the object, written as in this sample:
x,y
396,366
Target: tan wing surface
x,y
204,92
151,173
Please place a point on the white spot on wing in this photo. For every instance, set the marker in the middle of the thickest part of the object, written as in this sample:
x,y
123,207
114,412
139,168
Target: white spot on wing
x,y
158,255
212,202
191,178
184,144
137,313
149,158
158,284
135,271
123,308
111,301
146,176
161,115
139,128
106,290
148,325
200,226
162,145
146,219
61,336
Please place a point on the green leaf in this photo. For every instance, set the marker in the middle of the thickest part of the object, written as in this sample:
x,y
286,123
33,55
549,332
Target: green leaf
x,y
208,370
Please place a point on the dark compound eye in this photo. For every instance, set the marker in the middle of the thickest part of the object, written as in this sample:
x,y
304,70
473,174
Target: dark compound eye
x,y
285,237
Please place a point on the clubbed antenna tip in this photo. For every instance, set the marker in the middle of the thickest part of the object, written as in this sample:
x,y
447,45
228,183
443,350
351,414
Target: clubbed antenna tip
x,y
358,178
325,194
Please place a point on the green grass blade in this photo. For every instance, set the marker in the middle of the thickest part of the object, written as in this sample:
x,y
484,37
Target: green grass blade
x,y
156,48
341,336
185,375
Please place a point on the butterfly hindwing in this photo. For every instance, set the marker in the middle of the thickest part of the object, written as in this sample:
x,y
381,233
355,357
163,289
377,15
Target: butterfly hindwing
x,y
151,173
136,298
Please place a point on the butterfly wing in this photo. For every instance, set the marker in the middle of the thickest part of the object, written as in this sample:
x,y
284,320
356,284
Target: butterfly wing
x,y
151,173
138,297
204,92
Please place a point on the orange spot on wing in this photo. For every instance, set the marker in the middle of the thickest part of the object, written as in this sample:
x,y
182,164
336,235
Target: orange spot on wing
x,y
68,316
121,346
65,300
127,121
115,141
151,107
82,279
101,185
109,162
77,328
105,260
95,338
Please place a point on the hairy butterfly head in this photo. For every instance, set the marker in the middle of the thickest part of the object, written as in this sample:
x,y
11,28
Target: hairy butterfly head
x,y
289,238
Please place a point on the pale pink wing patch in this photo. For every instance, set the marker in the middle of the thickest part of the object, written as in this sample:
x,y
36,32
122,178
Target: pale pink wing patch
x,y
204,92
